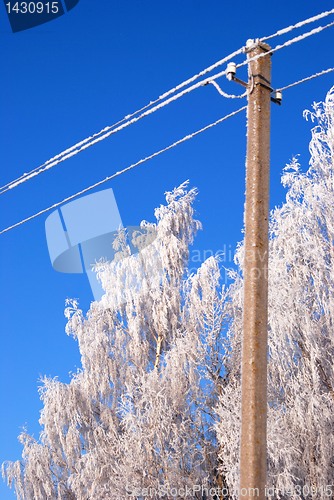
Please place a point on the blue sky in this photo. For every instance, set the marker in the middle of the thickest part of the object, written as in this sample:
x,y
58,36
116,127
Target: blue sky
x,y
65,80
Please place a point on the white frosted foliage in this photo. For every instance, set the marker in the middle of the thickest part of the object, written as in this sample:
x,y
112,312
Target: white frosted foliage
x,y
140,411
157,400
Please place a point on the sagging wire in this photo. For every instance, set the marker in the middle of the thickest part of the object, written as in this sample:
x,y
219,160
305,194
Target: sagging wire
x,y
120,172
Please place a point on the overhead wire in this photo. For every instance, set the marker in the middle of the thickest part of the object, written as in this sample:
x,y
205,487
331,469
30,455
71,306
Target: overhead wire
x,y
157,104
300,24
296,39
126,169
87,145
111,129
224,94
303,80
148,109
66,151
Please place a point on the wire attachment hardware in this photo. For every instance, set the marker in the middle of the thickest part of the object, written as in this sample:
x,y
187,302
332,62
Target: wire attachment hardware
x,y
224,94
277,97
231,71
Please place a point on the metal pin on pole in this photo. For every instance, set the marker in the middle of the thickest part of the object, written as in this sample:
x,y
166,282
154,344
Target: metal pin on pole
x,y
253,448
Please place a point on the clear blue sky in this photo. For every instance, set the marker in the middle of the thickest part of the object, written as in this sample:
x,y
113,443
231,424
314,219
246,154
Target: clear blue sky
x,y
71,77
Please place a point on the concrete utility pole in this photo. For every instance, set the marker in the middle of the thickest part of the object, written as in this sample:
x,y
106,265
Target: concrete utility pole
x,y
253,449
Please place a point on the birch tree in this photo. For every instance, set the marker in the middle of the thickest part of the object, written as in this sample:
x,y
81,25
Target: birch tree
x,y
155,408
138,416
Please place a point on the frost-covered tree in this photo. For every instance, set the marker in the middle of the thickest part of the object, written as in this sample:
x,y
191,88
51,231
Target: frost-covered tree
x,y
155,407
139,413
301,330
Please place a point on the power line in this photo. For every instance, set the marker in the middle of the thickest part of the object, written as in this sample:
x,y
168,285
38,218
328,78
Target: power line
x,y
296,39
204,72
315,75
10,184
80,146
224,94
298,25
120,172
173,90
148,109
91,141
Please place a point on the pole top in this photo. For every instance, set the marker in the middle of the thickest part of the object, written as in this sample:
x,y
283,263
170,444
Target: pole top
x,y
252,44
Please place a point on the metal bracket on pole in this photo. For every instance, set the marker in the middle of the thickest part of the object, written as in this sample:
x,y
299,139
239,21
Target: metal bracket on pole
x,y
231,71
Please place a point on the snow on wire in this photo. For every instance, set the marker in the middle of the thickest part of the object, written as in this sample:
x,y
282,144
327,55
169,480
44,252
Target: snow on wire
x,y
126,169
120,125
303,80
160,102
284,31
296,39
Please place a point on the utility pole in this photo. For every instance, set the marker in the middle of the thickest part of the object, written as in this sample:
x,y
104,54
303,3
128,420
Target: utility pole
x,y
253,448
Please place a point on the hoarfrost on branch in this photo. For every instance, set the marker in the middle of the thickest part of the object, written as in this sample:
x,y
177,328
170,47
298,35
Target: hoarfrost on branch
x,y
157,400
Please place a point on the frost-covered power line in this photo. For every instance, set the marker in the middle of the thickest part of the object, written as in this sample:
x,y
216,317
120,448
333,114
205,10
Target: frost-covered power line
x,y
116,127
303,80
284,31
296,39
87,143
120,172
162,101
224,94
